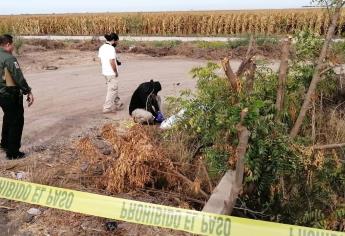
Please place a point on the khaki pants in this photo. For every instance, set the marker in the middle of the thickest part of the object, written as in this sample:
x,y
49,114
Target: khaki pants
x,y
143,116
112,100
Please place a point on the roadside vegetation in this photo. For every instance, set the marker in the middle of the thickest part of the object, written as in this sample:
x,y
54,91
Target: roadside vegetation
x,y
280,172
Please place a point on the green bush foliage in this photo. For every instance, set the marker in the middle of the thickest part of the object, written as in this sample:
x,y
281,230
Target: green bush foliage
x,y
285,180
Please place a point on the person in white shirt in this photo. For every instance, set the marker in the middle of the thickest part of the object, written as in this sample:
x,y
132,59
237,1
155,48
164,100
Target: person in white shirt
x,y
110,70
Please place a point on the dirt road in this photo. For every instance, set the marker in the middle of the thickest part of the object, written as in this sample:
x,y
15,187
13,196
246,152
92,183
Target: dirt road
x,y
70,99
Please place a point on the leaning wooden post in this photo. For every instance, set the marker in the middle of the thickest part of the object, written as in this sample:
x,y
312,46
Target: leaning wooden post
x,y
223,198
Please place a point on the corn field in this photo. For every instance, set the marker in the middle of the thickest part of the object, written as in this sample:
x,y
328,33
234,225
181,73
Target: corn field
x,y
216,23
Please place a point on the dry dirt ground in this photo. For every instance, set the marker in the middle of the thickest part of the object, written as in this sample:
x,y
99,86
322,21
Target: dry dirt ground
x,y
68,105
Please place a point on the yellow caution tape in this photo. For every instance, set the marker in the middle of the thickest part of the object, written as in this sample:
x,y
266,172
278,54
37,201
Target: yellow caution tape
x,y
148,214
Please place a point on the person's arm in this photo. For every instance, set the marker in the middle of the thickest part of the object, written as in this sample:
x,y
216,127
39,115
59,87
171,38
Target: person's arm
x,y
153,105
113,61
13,67
114,66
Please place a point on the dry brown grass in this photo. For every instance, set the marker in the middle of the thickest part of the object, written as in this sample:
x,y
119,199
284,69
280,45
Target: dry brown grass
x,y
331,125
140,167
337,125
140,160
135,161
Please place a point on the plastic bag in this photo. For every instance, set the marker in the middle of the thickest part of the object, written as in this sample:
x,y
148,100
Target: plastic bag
x,y
172,120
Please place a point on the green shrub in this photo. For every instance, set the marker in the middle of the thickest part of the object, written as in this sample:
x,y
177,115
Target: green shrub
x,y
167,43
18,43
280,172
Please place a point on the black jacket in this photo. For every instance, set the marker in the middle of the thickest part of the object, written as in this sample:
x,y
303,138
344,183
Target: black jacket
x,y
144,97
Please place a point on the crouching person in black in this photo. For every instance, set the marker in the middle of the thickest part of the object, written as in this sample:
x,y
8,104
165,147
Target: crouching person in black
x,y
145,103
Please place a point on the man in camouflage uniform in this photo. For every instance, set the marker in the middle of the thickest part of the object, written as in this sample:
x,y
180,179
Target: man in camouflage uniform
x,y
12,87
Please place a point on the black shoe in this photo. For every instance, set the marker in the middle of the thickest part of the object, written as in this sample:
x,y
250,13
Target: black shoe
x,y
16,156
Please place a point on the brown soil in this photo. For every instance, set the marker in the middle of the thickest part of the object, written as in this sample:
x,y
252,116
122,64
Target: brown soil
x,y
186,49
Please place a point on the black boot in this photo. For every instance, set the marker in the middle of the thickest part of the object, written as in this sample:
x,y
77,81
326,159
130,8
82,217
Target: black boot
x,y
15,156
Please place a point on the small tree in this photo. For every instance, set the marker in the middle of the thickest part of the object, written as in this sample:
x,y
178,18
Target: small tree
x,y
334,7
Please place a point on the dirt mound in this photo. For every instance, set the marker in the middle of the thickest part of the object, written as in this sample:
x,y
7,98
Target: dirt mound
x,y
154,52
92,45
47,44
187,49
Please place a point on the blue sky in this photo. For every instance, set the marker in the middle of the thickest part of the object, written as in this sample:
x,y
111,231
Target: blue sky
x,y
71,6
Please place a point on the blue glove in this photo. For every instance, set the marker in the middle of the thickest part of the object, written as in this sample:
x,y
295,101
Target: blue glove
x,y
159,118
